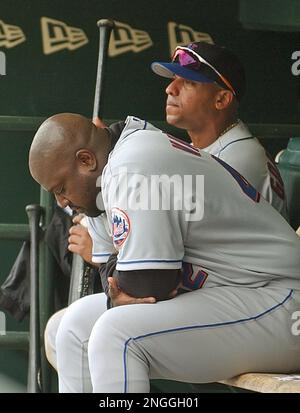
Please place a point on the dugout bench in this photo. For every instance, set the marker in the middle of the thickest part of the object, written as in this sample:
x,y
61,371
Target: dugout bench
x,y
40,374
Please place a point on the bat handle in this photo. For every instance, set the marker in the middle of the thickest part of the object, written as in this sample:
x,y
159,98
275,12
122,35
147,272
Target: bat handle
x,y
34,215
105,27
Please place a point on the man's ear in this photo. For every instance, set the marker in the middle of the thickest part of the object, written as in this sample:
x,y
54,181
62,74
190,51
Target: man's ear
x,y
86,159
224,98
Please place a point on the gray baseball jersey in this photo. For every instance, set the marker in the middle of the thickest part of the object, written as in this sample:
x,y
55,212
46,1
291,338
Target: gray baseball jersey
x,y
243,152
218,229
225,236
239,149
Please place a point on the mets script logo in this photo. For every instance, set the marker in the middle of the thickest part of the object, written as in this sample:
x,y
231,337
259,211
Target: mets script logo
x,y
10,36
58,36
126,39
180,35
120,226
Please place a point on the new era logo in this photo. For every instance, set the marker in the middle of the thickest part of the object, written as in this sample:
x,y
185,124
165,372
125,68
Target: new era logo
x,y
58,36
126,39
10,36
180,35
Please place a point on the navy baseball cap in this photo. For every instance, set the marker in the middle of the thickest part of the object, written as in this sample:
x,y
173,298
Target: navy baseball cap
x,y
206,63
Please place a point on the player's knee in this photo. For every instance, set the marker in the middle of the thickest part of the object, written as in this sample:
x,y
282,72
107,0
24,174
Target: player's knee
x,y
112,328
70,322
50,337
65,335
52,327
78,321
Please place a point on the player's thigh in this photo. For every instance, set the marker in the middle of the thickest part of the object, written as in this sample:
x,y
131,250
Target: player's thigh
x,y
206,335
80,317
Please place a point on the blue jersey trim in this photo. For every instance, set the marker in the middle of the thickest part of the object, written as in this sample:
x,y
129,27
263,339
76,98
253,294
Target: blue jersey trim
x,y
241,139
101,255
172,330
139,261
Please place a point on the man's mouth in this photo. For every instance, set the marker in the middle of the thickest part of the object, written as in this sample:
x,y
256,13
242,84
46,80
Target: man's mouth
x,y
171,104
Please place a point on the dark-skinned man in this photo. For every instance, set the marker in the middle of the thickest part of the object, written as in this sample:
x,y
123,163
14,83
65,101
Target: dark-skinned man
x,y
217,231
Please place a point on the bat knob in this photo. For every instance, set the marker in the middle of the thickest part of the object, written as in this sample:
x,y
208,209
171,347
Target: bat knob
x,y
33,209
106,23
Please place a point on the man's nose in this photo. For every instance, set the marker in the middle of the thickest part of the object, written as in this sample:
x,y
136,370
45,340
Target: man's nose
x,y
173,88
61,201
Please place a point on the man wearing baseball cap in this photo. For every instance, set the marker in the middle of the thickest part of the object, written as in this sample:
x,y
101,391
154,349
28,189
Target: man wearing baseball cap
x,y
207,86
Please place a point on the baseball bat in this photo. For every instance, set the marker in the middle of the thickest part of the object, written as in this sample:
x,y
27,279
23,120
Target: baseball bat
x,y
81,278
34,214
105,27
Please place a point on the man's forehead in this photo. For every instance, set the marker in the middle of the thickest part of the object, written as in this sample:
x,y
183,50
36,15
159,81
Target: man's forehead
x,y
52,178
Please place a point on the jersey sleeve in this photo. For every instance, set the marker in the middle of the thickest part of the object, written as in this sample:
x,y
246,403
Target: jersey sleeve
x,y
145,237
102,242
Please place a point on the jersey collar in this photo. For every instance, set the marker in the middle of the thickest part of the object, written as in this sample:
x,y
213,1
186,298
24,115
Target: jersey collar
x,y
240,131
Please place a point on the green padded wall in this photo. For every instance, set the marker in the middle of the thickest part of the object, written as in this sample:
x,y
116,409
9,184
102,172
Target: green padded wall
x,y
275,15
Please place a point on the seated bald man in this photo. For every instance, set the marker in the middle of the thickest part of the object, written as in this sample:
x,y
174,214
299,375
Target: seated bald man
x,y
238,256
67,156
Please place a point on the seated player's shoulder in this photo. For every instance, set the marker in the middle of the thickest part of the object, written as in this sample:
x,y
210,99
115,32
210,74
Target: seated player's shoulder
x,y
143,147
245,156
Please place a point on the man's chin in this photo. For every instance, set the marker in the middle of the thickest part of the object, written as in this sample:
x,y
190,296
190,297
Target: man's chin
x,y
171,118
174,121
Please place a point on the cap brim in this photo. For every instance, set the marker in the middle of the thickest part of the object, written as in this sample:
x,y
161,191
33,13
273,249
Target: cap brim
x,y
170,69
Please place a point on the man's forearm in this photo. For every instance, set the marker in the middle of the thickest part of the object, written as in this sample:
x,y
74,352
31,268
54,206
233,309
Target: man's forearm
x,y
156,283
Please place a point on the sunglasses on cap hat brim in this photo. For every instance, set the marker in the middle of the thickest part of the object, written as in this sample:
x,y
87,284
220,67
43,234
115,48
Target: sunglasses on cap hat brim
x,y
190,59
186,63
168,70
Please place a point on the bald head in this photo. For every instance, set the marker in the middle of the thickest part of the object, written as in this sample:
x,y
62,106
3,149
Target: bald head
x,y
60,131
60,137
68,146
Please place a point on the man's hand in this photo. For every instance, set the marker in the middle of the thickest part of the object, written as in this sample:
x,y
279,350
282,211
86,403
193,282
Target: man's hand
x,y
80,242
79,219
99,123
118,297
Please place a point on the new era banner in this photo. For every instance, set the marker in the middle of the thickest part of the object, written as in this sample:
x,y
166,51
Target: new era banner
x,y
49,55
